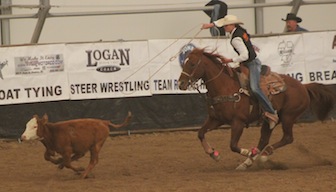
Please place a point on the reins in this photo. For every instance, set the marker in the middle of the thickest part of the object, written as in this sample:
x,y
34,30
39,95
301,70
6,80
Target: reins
x,y
215,77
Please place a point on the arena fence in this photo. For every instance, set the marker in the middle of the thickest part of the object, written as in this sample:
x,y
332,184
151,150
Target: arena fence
x,y
59,79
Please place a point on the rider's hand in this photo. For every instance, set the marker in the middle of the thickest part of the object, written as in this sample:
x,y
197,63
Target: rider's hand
x,y
226,60
207,25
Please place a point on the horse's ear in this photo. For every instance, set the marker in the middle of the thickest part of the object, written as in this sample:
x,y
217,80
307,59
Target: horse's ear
x,y
45,117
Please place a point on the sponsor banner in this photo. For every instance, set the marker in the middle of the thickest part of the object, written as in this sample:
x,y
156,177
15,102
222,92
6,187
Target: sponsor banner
x,y
320,57
33,74
108,70
39,64
38,88
31,60
284,54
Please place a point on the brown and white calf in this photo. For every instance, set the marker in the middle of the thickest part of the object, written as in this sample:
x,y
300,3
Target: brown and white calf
x,y
71,139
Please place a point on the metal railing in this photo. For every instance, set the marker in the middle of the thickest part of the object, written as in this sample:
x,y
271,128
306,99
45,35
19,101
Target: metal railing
x,y
44,12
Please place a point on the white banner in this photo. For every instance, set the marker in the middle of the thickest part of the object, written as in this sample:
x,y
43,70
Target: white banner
x,y
33,74
284,54
39,73
108,70
320,57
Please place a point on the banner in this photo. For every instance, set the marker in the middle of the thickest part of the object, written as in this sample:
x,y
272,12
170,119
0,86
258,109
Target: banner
x,y
108,70
320,57
39,73
284,54
33,74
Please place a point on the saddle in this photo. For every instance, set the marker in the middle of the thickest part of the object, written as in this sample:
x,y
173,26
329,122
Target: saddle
x,y
271,83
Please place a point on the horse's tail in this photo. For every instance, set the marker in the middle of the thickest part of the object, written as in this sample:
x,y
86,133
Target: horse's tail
x,y
322,99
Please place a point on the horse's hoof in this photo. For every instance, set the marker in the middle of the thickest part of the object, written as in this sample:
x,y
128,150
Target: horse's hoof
x,y
246,164
215,155
241,167
263,158
266,153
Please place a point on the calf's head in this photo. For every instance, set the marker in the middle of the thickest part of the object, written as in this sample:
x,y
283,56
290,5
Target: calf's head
x,y
33,128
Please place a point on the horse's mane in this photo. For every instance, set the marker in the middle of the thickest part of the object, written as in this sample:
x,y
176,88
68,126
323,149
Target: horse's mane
x,y
214,57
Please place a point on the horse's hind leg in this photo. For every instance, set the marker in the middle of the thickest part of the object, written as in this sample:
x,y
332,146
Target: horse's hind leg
x,y
208,126
237,128
265,135
287,138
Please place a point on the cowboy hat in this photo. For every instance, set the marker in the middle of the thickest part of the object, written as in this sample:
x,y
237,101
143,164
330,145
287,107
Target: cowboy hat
x,y
292,16
227,20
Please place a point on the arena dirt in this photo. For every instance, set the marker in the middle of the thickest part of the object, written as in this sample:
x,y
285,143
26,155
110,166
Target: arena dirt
x,y
175,161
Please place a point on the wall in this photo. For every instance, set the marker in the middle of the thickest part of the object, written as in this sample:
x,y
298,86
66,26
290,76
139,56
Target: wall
x,y
151,26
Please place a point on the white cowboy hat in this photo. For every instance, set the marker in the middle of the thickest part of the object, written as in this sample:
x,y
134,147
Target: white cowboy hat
x,y
228,20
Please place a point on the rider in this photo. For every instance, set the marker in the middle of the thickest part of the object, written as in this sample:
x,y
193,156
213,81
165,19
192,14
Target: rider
x,y
240,41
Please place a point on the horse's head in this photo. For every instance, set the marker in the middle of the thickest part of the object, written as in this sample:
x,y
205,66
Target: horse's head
x,y
193,69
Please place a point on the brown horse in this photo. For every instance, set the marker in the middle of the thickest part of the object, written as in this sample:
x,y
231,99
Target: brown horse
x,y
233,107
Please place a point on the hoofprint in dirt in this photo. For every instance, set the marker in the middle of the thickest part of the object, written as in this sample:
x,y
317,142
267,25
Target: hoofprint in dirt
x,y
175,161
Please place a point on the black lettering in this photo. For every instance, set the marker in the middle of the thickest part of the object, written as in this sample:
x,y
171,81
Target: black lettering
x,y
297,76
333,76
114,55
90,64
36,90
9,94
319,76
106,54
327,75
28,91
96,55
124,54
312,76
58,90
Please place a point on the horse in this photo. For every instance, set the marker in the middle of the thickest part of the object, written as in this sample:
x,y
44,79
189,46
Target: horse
x,y
231,106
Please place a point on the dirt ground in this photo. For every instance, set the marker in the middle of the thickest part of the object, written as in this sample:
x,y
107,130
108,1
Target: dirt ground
x,y
175,161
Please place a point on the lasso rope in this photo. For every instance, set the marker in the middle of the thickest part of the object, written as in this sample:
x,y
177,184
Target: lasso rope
x,y
171,59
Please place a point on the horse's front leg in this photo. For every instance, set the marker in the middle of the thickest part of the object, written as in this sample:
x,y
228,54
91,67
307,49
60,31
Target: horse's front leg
x,y
209,125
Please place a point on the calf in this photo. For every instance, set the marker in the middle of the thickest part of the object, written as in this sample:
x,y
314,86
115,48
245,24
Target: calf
x,y
71,139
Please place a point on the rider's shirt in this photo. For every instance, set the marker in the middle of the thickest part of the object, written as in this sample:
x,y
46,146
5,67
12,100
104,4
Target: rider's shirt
x,y
241,43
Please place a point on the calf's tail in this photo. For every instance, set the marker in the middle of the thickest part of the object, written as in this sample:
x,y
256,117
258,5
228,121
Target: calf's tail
x,y
126,121
322,99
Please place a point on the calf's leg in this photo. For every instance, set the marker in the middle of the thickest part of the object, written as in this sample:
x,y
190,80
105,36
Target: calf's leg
x,y
94,151
48,157
67,162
